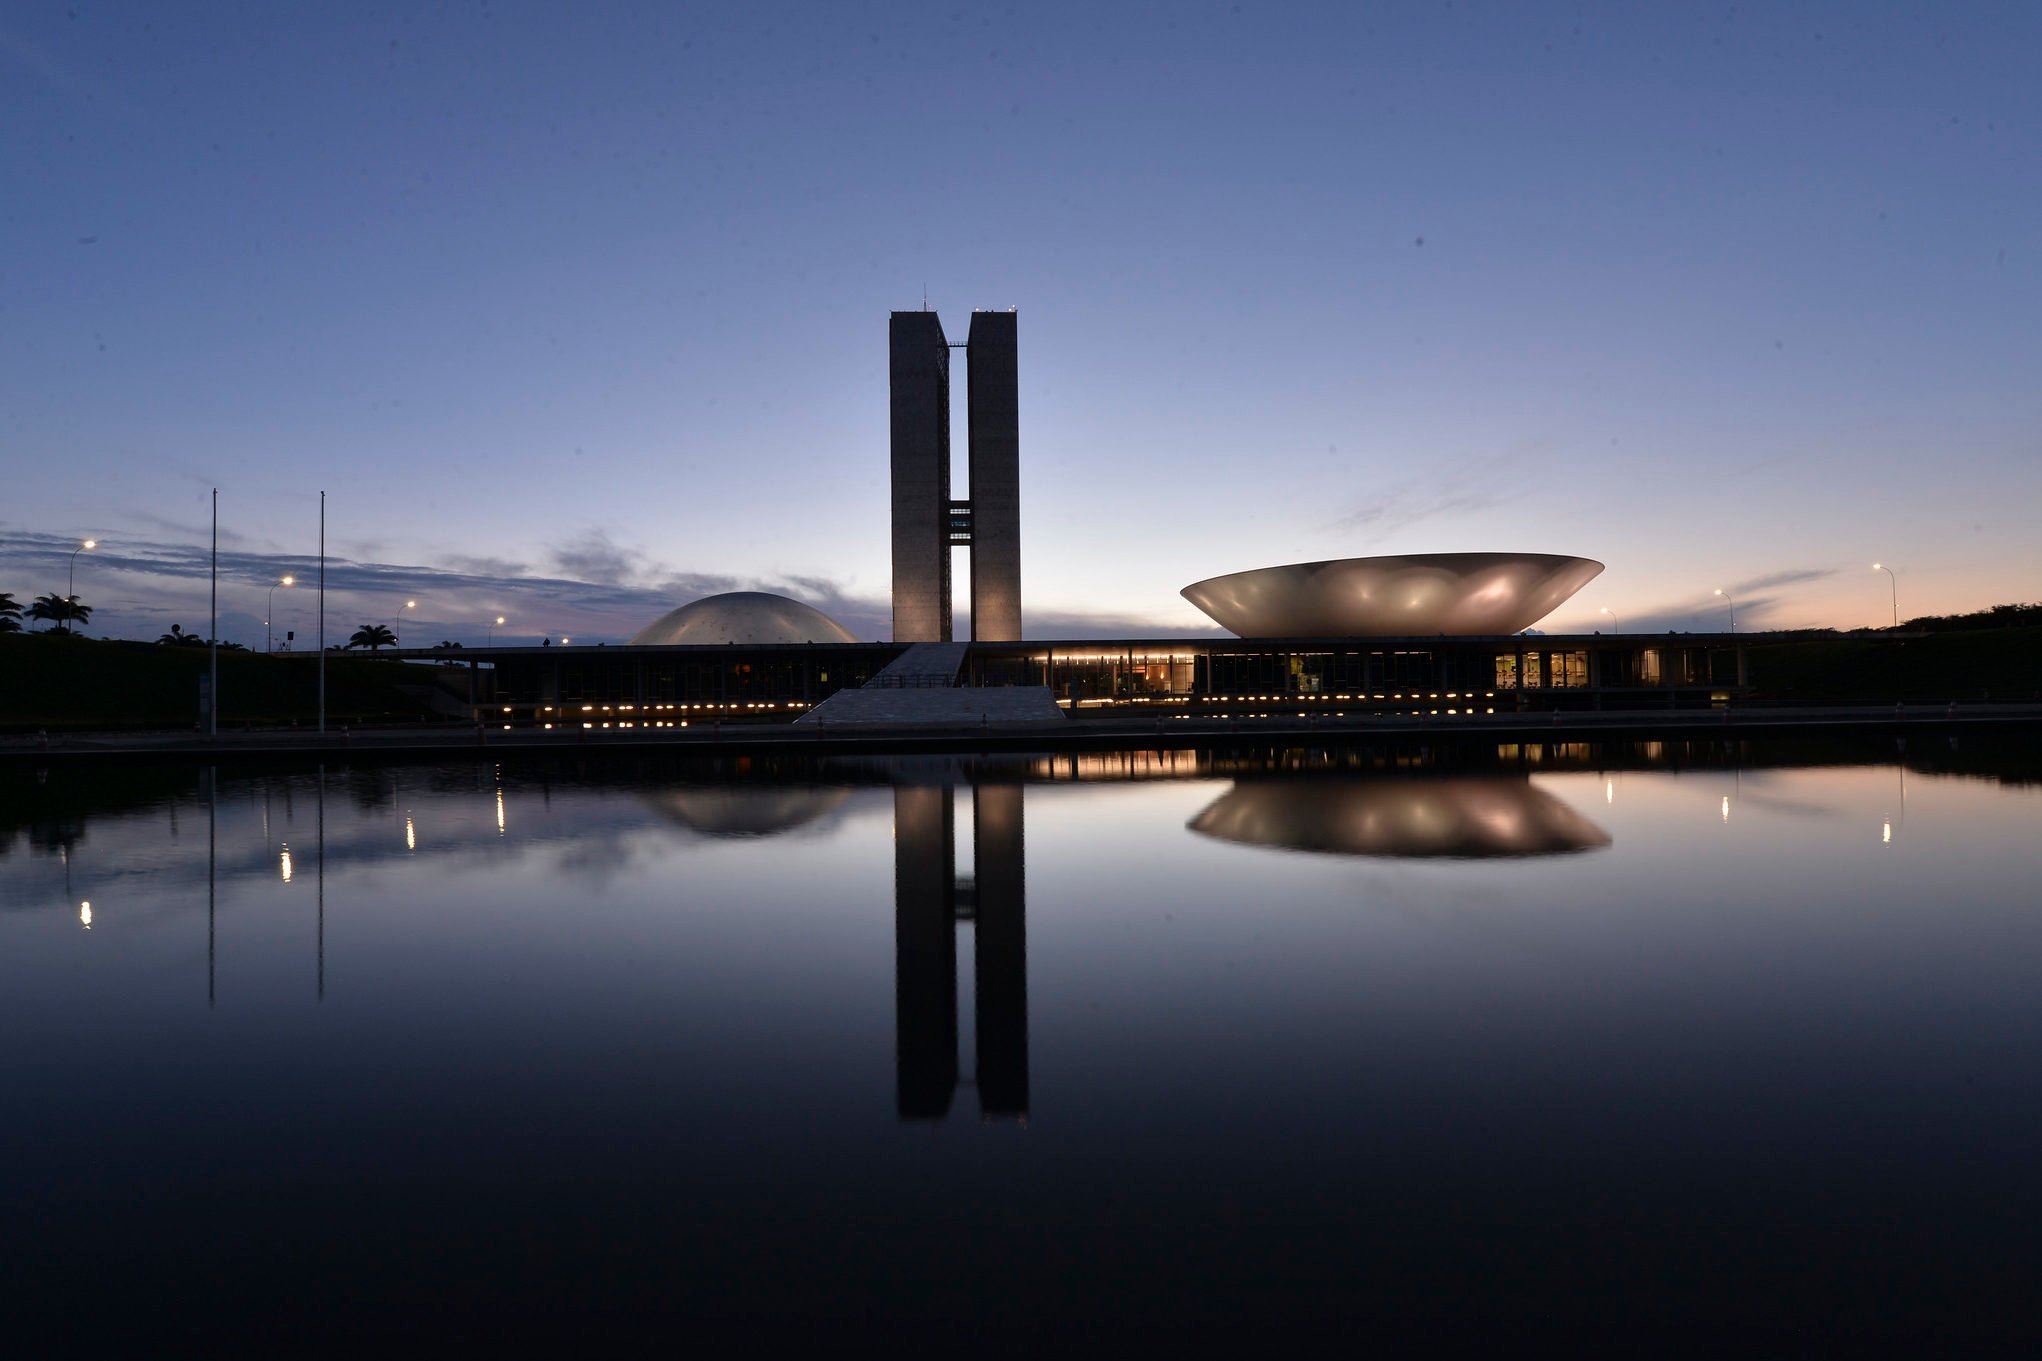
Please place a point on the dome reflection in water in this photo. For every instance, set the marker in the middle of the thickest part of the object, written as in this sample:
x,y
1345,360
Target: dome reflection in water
x,y
737,811
1457,818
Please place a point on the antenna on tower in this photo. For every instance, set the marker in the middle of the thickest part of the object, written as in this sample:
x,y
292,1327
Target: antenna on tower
x,y
925,297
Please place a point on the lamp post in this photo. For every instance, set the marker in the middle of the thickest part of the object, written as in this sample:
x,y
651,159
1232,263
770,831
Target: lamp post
x,y
1613,625
492,632
71,583
1733,607
397,623
269,642
1891,580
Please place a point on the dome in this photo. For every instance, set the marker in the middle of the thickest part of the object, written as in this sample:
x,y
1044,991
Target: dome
x,y
1405,596
741,617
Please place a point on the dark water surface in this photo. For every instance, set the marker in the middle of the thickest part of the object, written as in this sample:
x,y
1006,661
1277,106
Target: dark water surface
x,y
1720,1041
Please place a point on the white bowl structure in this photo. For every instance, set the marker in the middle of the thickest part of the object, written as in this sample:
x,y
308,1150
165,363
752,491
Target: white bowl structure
x,y
1411,595
750,617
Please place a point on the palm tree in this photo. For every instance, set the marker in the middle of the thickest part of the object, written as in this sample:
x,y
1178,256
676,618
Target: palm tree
x,y
373,636
177,637
61,611
10,613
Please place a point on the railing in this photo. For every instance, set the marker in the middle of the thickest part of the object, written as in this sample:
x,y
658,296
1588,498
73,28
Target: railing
x,y
921,680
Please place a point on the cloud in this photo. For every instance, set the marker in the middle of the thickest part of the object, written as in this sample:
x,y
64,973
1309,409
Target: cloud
x,y
593,555
485,566
1477,483
138,588
233,538
1404,506
1793,576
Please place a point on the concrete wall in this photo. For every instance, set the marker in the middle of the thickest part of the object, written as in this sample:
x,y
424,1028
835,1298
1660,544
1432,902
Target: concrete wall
x,y
995,455
919,383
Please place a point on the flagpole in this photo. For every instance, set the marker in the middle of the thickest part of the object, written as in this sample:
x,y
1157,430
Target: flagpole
x,y
213,630
322,612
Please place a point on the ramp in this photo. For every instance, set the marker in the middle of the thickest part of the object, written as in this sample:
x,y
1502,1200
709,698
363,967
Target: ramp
x,y
919,689
922,666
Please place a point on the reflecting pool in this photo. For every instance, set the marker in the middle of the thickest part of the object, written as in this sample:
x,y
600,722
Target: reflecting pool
x,y
1734,1039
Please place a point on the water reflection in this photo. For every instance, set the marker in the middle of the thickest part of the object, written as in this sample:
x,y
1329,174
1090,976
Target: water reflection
x,y
740,812
929,902
1733,1044
1458,818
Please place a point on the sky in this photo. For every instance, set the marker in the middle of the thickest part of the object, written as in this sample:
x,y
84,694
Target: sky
x,y
578,313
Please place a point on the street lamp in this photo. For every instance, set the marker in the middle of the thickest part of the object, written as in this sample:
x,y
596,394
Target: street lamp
x,y
1613,627
1891,580
71,585
269,634
1733,607
492,631
397,623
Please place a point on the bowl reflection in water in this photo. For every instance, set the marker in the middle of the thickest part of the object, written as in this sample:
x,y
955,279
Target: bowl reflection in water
x,y
1465,818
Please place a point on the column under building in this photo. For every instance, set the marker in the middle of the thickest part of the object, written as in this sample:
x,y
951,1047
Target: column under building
x,y
927,523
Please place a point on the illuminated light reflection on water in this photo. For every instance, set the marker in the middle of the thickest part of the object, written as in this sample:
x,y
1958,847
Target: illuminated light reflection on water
x,y
1525,1036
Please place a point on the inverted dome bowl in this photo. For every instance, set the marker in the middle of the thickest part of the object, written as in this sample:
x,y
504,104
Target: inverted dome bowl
x,y
1407,595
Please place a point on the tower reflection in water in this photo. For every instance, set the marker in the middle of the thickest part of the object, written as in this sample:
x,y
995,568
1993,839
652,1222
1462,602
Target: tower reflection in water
x,y
929,901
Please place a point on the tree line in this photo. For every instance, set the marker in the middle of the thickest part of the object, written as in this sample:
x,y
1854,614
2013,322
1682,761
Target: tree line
x,y
61,613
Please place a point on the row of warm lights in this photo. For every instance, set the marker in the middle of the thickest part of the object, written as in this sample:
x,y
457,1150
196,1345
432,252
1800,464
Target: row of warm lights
x,y
625,723
667,708
1342,713
1288,699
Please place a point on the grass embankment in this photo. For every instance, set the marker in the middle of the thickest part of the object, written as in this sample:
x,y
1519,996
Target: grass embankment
x,y
52,682
1990,663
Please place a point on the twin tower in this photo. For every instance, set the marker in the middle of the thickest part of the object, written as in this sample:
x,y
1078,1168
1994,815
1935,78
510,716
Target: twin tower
x,y
927,523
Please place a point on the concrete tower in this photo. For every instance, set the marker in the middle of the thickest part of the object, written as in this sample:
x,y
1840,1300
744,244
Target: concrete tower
x,y
919,379
995,450
927,523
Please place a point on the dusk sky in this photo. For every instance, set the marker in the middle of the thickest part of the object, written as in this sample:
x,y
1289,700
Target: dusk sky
x,y
579,312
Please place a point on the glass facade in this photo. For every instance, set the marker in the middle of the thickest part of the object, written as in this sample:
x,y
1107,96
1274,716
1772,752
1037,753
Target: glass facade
x,y
1190,676
1542,670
